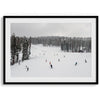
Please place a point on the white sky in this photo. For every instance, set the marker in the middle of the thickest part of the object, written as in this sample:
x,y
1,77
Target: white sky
x,y
51,29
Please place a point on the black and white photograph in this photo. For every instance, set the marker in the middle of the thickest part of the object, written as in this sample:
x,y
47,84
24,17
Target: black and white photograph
x,y
50,49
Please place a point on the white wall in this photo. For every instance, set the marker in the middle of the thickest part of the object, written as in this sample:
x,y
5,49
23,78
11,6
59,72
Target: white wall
x,y
47,7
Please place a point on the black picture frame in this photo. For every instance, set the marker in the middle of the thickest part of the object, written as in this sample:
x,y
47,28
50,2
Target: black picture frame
x,y
47,83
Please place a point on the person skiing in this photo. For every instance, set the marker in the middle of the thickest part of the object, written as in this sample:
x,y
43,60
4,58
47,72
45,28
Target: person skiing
x,y
46,60
85,61
75,63
27,68
58,60
50,65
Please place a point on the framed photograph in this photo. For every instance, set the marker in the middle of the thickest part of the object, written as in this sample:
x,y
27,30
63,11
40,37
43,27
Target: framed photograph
x,y
50,50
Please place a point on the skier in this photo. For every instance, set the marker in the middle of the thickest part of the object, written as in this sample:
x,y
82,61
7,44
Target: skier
x,y
50,65
58,60
85,61
46,60
75,63
27,68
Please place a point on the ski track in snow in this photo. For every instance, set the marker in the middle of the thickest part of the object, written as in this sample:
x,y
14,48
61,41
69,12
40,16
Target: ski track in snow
x,y
38,67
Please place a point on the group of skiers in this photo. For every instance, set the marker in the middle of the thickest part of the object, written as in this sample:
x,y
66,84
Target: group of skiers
x,y
77,62
20,45
51,66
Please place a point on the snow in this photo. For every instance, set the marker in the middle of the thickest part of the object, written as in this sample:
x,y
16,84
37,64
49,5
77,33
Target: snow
x,y
40,58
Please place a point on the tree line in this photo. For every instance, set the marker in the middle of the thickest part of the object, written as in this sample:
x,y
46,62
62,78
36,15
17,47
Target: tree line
x,y
69,44
19,45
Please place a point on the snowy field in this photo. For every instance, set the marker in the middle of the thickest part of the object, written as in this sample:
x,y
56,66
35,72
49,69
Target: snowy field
x,y
63,63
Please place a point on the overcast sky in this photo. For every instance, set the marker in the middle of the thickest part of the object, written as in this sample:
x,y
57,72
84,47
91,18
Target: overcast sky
x,y
51,29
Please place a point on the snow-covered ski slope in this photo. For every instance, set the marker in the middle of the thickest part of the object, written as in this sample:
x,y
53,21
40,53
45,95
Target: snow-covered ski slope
x,y
63,63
